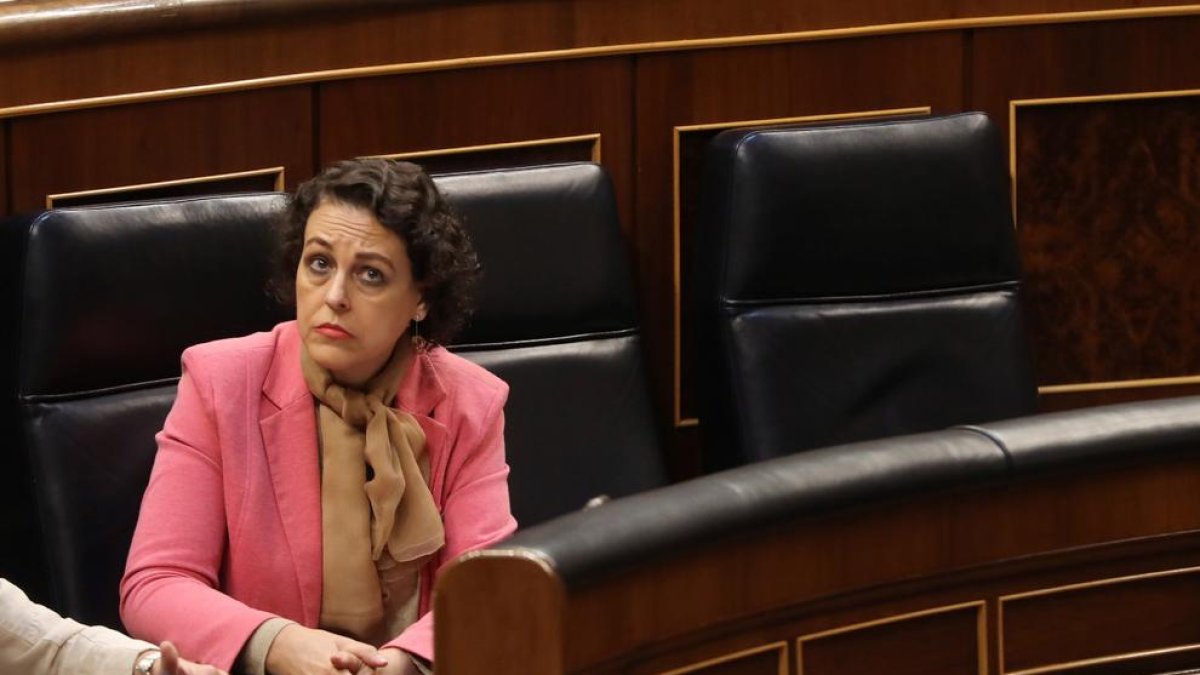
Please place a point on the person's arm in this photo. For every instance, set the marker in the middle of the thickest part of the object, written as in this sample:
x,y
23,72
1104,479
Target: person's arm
x,y
36,640
476,511
170,589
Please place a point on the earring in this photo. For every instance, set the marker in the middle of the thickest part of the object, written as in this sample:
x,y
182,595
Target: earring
x,y
416,329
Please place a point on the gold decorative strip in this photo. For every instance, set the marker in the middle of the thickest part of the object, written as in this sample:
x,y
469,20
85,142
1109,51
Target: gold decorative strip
x,y
278,172
676,236
781,647
1119,384
605,50
980,634
1072,665
537,142
1053,590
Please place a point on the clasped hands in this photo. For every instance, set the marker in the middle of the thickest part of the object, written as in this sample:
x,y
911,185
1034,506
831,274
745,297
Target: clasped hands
x,y
298,650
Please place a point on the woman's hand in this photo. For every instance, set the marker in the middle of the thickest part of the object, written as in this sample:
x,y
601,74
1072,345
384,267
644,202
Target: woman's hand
x,y
399,663
307,651
171,664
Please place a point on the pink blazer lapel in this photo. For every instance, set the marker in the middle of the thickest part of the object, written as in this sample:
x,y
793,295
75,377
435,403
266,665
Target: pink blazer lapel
x,y
289,433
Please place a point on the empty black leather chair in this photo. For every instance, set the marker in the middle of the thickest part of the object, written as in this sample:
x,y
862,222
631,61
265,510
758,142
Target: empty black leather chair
x,y
557,320
106,300
855,282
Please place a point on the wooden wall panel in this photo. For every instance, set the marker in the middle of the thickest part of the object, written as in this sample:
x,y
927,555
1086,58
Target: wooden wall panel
x,y
731,88
168,140
1105,199
99,55
480,107
1052,627
899,645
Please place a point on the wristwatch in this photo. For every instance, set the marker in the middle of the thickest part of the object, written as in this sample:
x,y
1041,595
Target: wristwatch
x,y
146,663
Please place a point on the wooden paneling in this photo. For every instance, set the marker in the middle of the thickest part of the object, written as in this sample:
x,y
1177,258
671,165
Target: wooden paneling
x,y
1104,195
897,645
734,87
443,111
1065,622
1108,201
169,140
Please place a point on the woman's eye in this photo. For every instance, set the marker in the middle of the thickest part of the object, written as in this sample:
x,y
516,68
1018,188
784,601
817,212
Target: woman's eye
x,y
372,276
318,263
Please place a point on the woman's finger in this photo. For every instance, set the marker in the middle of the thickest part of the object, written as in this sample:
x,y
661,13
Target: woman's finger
x,y
347,661
170,658
367,654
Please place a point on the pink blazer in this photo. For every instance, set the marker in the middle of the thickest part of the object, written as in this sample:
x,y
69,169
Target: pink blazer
x,y
230,528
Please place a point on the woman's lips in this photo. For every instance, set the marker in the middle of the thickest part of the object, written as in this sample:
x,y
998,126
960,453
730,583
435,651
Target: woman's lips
x,y
333,332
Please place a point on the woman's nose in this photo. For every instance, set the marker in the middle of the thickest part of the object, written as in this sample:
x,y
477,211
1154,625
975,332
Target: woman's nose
x,y
335,294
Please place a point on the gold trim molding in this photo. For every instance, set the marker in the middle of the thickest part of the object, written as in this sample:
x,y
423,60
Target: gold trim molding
x,y
781,647
981,644
533,143
1013,107
1071,665
676,226
966,23
278,172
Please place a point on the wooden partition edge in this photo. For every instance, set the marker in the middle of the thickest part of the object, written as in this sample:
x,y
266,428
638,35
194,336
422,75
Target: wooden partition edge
x,y
627,49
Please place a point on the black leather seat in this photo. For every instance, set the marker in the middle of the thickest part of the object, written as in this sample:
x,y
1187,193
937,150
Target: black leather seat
x,y
107,299
855,282
558,322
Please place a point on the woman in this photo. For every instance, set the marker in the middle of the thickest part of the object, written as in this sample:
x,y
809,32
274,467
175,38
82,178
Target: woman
x,y
295,520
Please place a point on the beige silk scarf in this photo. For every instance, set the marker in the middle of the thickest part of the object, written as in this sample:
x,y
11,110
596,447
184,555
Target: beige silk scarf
x,y
374,500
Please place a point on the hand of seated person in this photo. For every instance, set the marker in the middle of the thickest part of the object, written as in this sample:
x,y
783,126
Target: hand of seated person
x,y
399,663
308,651
171,664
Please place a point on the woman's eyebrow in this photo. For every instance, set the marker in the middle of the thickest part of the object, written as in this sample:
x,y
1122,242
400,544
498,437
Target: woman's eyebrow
x,y
371,255
317,240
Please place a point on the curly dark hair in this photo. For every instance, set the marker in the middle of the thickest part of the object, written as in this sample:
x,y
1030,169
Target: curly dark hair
x,y
405,200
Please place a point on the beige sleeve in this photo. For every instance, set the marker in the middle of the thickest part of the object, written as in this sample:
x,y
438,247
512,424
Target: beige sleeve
x,y
253,659
34,639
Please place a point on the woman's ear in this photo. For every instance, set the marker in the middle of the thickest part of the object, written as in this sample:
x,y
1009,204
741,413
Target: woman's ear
x,y
421,312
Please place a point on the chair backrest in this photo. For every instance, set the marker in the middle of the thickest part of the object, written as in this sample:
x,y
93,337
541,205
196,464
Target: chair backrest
x,y
107,299
854,282
556,319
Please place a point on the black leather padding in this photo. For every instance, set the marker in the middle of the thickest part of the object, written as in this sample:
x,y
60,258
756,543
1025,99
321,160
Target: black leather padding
x,y
1090,435
113,294
93,455
721,506
578,424
557,320
549,240
104,300
856,282
718,508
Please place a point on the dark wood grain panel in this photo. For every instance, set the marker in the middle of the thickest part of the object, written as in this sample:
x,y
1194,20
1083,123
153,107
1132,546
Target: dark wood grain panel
x,y
169,140
432,111
1108,213
1084,623
900,645
189,47
1081,59
733,87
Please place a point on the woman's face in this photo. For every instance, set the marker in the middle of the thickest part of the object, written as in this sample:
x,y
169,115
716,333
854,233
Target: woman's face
x,y
355,293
